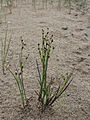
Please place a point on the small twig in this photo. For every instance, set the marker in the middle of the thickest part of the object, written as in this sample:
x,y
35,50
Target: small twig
x,y
36,92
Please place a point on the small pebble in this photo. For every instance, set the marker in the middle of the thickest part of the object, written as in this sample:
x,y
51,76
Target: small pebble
x,y
81,29
72,34
68,94
64,28
57,59
67,35
32,119
86,34
76,14
9,54
88,30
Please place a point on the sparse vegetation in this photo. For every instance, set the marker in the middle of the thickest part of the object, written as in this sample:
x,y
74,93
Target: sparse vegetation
x,y
8,3
80,4
45,96
18,74
4,50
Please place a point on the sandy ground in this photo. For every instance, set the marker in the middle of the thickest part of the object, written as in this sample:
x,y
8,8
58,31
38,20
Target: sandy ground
x,y
72,50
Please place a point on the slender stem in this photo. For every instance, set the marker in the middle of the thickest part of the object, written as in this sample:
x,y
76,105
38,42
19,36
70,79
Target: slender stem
x,y
38,72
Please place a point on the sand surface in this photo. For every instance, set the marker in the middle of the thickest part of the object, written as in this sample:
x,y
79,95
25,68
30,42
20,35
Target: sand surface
x,y
72,51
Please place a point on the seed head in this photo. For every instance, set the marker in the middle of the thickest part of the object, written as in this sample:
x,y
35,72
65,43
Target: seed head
x,y
26,58
22,66
52,36
48,56
38,44
53,47
21,41
46,43
22,47
42,31
24,44
51,40
15,72
20,73
47,33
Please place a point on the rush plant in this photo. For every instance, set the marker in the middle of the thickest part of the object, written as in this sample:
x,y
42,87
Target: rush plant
x,y
18,74
81,4
45,96
4,50
8,4
68,2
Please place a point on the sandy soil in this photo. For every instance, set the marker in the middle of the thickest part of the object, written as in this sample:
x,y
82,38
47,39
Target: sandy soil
x,y
72,50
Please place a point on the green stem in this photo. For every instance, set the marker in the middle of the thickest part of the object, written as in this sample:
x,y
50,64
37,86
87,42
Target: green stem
x,y
18,86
